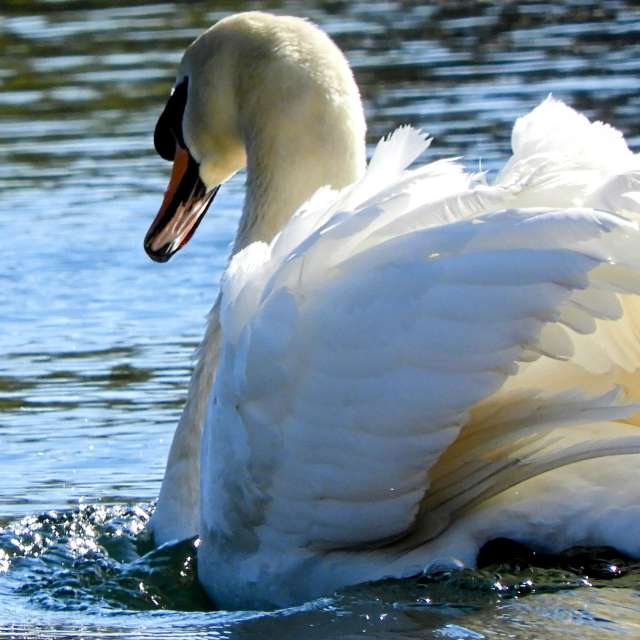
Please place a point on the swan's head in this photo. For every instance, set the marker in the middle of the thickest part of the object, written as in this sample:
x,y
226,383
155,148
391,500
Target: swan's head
x,y
254,87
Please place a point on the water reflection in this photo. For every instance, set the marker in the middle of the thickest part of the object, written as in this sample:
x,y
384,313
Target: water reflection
x,y
98,340
442,65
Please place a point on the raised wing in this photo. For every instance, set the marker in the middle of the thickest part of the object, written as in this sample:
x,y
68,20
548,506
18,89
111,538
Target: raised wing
x,y
385,363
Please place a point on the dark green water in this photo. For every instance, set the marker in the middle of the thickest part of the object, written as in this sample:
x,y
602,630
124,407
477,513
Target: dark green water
x,y
97,340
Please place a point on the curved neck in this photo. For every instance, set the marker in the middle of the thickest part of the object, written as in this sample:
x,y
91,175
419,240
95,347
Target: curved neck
x,y
289,160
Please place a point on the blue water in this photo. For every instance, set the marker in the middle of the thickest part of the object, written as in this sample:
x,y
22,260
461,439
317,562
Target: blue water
x,y
97,340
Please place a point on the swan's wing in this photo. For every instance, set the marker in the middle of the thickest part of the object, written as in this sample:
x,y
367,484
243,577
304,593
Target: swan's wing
x,y
561,159
351,366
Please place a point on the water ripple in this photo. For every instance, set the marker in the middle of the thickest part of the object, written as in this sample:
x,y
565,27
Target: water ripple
x,y
98,341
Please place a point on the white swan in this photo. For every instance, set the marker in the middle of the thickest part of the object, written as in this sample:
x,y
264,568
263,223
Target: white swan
x,y
416,361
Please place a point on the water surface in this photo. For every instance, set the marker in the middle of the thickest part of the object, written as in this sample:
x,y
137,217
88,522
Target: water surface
x,y
97,340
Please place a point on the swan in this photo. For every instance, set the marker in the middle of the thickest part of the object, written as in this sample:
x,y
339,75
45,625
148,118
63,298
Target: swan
x,y
402,363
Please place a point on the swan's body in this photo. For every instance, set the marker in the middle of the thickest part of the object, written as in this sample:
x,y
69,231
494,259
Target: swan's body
x,y
412,364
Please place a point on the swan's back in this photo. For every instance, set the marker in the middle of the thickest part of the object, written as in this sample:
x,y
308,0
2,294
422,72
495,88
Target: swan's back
x,y
410,347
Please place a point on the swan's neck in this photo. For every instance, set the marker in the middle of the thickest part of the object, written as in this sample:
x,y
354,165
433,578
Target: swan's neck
x,y
287,162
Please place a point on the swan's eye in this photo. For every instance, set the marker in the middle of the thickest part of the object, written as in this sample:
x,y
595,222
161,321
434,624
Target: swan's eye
x,y
169,126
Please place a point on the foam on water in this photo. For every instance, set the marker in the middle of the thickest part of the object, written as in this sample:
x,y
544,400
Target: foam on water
x,y
96,565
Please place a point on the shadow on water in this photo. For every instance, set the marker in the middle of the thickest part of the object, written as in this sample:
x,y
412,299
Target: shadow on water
x,y
98,341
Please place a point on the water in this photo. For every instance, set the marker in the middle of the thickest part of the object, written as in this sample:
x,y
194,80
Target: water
x,y
97,340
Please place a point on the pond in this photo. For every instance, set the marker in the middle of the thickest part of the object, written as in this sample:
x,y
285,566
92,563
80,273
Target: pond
x,y
98,340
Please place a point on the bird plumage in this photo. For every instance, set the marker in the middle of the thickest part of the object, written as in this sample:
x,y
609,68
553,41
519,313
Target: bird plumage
x,y
412,358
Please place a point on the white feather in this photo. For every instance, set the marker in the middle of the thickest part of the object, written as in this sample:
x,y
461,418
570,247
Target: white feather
x,y
410,347
372,346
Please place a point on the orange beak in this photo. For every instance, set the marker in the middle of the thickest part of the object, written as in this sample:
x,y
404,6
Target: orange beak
x,y
185,202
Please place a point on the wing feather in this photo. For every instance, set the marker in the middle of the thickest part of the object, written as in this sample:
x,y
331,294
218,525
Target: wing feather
x,y
367,378
418,342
